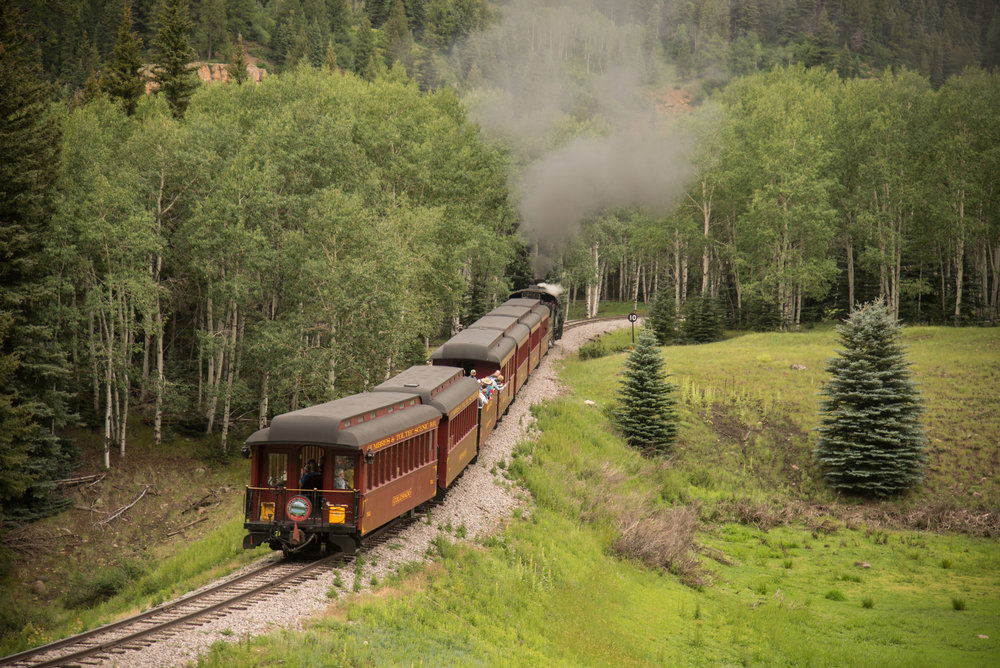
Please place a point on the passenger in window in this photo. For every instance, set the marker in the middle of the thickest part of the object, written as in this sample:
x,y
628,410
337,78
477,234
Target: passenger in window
x,y
311,476
338,479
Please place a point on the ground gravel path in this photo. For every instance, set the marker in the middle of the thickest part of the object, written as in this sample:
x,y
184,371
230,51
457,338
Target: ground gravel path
x,y
480,500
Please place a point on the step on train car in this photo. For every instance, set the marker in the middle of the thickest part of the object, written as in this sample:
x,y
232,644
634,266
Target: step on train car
x,y
324,477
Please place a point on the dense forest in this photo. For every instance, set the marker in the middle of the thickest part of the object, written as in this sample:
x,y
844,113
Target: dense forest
x,y
204,256
712,40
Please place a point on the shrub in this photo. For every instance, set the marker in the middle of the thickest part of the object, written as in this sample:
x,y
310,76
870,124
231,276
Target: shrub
x,y
957,604
867,602
87,589
592,350
662,539
835,595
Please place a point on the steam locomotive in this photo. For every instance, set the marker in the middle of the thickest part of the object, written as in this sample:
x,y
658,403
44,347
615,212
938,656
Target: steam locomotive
x,y
324,477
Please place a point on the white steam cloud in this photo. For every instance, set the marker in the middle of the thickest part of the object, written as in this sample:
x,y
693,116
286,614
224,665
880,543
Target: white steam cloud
x,y
552,70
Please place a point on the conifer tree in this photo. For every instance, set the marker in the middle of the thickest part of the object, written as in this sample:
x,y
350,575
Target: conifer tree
x,y
702,323
175,76
646,412
399,39
331,58
871,440
238,66
125,80
33,368
663,318
364,52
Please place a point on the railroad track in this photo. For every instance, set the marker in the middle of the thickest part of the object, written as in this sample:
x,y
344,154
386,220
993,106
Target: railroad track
x,y
570,324
164,621
167,620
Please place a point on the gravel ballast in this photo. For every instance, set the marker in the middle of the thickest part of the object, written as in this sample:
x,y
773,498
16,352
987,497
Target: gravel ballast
x,y
479,500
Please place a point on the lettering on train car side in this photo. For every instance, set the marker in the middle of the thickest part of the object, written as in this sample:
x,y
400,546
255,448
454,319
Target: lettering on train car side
x,y
402,496
406,433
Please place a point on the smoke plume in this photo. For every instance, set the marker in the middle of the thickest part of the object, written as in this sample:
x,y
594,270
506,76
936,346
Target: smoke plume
x,y
554,70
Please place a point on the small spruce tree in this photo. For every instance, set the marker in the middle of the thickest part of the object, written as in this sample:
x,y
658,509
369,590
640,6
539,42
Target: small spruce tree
x,y
663,318
871,440
702,323
239,65
646,412
125,81
173,71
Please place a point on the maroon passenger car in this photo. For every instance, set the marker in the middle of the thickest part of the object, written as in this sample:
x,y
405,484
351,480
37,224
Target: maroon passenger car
x,y
376,455
456,397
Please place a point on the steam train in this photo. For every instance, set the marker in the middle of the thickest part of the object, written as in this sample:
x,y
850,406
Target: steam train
x,y
324,477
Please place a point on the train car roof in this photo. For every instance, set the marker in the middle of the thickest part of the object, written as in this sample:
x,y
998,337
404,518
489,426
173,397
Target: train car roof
x,y
481,345
501,322
456,396
327,423
531,320
510,309
519,332
423,380
442,387
521,301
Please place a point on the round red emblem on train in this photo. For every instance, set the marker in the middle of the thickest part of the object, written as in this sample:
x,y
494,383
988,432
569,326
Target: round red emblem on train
x,y
298,508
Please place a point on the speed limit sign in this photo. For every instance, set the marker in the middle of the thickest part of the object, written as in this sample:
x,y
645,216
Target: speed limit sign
x,y
632,317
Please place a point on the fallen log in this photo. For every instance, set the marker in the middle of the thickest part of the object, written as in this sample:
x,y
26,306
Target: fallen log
x,y
121,511
186,526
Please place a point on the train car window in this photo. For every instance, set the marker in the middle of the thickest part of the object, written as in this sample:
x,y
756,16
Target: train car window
x,y
277,469
343,472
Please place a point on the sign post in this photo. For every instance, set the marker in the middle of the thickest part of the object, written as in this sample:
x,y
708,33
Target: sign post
x,y
632,317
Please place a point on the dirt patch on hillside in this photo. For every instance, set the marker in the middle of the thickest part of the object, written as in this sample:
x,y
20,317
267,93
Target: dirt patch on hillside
x,y
671,101
146,502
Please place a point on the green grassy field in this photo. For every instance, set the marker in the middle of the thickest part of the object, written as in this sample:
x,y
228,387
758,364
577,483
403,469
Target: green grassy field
x,y
776,570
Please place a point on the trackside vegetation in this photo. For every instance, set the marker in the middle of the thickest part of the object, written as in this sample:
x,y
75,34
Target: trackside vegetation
x,y
778,571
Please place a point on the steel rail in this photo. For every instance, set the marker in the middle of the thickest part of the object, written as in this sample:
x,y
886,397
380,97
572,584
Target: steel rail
x,y
570,324
26,658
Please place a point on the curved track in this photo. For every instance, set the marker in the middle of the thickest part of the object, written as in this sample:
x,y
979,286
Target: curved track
x,y
168,619
570,324
164,621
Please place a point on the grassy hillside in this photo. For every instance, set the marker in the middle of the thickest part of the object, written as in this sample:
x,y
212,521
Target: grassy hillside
x,y
755,562
89,565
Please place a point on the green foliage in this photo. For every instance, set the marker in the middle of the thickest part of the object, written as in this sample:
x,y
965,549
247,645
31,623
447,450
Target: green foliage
x,y
702,322
238,63
125,80
646,412
303,231
33,368
592,350
662,318
175,78
89,588
871,439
